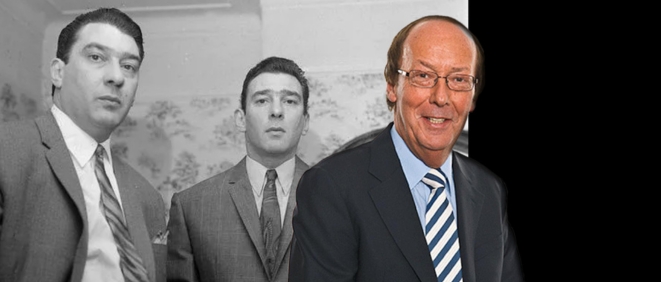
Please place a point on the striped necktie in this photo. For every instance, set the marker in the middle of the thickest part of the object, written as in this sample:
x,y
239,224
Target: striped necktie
x,y
129,261
441,229
270,220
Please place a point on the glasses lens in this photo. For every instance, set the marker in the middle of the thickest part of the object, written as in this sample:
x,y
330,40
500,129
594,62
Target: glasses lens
x,y
460,82
423,79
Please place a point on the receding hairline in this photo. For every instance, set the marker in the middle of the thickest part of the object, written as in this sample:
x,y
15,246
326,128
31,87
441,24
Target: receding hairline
x,y
419,25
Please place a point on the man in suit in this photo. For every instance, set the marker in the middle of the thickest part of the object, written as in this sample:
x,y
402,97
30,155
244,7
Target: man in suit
x,y
236,226
69,209
404,207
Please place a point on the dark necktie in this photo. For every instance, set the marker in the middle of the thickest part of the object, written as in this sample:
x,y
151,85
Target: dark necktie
x,y
441,229
129,261
270,220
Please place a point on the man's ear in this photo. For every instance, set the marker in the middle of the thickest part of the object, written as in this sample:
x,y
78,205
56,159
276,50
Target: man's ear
x,y
391,93
307,123
57,72
240,120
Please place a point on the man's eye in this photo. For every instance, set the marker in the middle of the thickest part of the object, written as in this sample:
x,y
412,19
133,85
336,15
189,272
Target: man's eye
x,y
130,68
423,75
260,101
95,57
291,102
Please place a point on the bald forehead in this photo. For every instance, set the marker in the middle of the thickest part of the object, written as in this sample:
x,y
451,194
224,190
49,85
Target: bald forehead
x,y
439,29
437,39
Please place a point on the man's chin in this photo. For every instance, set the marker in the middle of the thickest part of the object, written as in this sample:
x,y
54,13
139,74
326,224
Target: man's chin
x,y
108,120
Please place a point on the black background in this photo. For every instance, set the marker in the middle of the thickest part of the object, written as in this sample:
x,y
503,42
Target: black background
x,y
505,130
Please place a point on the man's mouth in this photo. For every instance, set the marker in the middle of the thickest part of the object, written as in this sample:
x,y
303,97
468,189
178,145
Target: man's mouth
x,y
275,129
110,99
436,120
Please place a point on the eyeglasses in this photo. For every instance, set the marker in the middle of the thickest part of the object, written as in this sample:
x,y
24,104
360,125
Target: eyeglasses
x,y
457,82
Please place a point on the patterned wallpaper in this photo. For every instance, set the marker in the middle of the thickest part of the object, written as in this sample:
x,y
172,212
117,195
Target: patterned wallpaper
x,y
15,106
185,138
177,142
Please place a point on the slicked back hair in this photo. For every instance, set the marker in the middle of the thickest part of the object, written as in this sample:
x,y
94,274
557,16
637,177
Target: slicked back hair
x,y
69,34
397,48
276,65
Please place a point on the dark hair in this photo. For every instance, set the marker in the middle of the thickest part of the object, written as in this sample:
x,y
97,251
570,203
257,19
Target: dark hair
x,y
396,49
69,34
276,65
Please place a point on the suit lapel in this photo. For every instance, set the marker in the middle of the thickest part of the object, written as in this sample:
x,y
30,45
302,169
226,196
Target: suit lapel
x,y
135,219
394,201
469,206
241,192
287,230
61,164
60,161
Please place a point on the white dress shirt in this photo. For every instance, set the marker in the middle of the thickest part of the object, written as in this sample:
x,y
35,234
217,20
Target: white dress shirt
x,y
257,177
102,262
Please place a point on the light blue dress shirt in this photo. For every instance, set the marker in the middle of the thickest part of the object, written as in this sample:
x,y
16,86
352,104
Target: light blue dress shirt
x,y
414,170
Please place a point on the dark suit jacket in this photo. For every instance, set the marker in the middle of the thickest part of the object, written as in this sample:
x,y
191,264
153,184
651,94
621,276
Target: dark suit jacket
x,y
43,219
356,221
215,234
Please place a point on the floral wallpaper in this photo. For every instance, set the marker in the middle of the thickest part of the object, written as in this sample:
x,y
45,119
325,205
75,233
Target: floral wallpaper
x,y
181,140
185,138
15,106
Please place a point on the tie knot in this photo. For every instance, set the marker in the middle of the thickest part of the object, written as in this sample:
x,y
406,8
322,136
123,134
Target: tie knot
x,y
271,174
435,179
99,152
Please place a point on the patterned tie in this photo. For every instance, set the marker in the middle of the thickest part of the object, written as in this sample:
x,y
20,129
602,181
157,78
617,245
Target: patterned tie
x,y
441,229
129,260
270,220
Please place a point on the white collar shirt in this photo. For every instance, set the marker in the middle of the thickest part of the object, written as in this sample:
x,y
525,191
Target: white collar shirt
x,y
102,262
257,178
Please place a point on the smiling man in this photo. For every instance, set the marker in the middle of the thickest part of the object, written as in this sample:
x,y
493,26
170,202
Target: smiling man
x,y
69,209
405,207
236,226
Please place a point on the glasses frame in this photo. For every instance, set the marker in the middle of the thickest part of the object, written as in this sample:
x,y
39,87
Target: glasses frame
x,y
408,75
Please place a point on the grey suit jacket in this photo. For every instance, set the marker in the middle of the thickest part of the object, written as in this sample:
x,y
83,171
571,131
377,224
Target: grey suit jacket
x,y
356,221
43,219
215,234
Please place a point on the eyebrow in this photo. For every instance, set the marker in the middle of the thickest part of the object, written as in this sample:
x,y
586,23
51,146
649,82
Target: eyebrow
x,y
284,91
107,49
454,69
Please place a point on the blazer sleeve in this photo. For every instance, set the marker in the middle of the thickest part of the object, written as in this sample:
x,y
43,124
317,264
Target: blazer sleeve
x,y
512,270
326,245
181,263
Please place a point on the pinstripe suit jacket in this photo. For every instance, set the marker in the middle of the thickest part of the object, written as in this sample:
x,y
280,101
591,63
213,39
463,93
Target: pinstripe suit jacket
x,y
43,219
215,234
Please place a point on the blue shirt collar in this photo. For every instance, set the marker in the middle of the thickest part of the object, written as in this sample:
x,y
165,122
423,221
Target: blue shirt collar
x,y
414,169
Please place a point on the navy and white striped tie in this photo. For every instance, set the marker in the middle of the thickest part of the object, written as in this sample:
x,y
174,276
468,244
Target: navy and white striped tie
x,y
441,229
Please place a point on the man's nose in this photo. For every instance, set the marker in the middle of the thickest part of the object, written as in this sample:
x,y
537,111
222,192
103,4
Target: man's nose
x,y
114,74
276,109
440,92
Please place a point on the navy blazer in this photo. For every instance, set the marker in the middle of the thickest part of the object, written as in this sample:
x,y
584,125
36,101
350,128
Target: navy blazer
x,y
356,221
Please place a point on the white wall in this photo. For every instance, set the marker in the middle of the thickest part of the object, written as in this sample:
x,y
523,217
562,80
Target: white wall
x,y
21,34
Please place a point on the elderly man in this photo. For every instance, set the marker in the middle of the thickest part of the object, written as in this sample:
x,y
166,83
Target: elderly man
x,y
69,209
236,226
404,207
